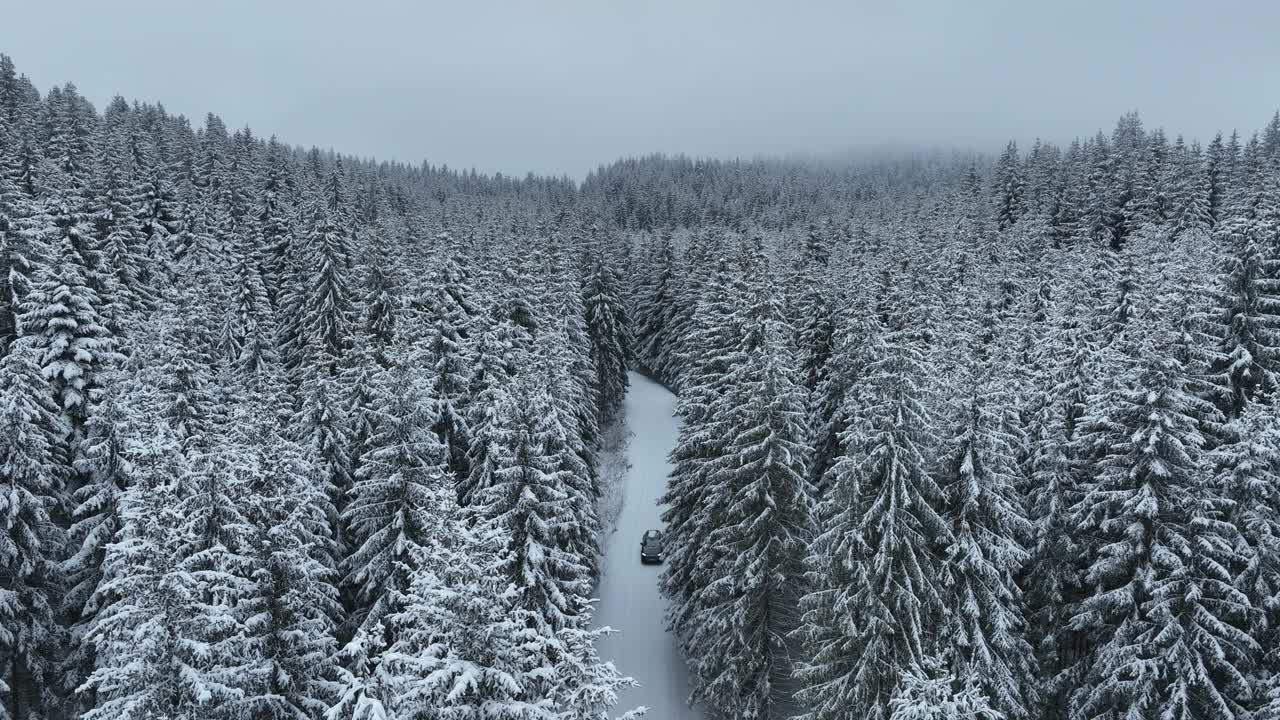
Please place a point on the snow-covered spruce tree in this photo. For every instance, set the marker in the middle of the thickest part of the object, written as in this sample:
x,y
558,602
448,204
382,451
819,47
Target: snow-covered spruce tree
x,y
1007,187
487,389
1248,473
842,373
513,315
149,640
876,567
443,320
60,315
755,503
381,301
273,222
215,549
1051,578
290,609
16,254
100,459
815,323
114,209
609,333
699,264
586,687
187,401
363,389
653,302
1168,628
529,499
571,461
1247,318
461,647
319,306
983,637
33,473
254,328
929,692
573,366
400,497
701,439
321,427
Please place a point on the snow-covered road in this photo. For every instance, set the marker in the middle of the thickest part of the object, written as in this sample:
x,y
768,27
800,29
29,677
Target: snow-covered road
x,y
628,592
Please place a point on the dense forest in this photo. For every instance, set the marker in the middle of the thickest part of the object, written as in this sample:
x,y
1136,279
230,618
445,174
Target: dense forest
x,y
288,434
996,441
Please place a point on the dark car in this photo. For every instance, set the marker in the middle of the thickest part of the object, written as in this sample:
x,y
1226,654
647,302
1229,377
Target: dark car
x,y
651,547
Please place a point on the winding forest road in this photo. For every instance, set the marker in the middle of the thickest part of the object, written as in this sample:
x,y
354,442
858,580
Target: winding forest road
x,y
628,591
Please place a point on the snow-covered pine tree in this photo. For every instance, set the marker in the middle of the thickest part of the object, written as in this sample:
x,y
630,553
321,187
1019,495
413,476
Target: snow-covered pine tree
x,y
529,499
1248,474
929,692
985,626
1247,318
60,315
33,473
401,495
1167,626
715,336
755,502
291,609
653,303
877,564
609,332
463,645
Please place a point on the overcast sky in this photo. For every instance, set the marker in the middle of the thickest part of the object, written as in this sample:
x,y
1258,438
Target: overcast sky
x,y
560,87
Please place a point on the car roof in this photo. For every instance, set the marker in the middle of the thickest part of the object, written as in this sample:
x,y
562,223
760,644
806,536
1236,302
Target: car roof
x,y
652,533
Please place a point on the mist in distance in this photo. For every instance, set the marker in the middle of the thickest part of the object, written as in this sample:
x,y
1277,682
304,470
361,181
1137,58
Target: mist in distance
x,y
562,87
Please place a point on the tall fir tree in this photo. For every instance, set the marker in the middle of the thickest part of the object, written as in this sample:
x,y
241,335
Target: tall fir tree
x,y
756,500
609,333
400,497
1167,624
984,637
877,565
33,469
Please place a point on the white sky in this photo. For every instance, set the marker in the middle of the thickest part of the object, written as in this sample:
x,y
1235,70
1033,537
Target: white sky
x,y
553,86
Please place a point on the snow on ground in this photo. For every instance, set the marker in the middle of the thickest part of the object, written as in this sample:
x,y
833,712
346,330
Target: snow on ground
x,y
628,592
